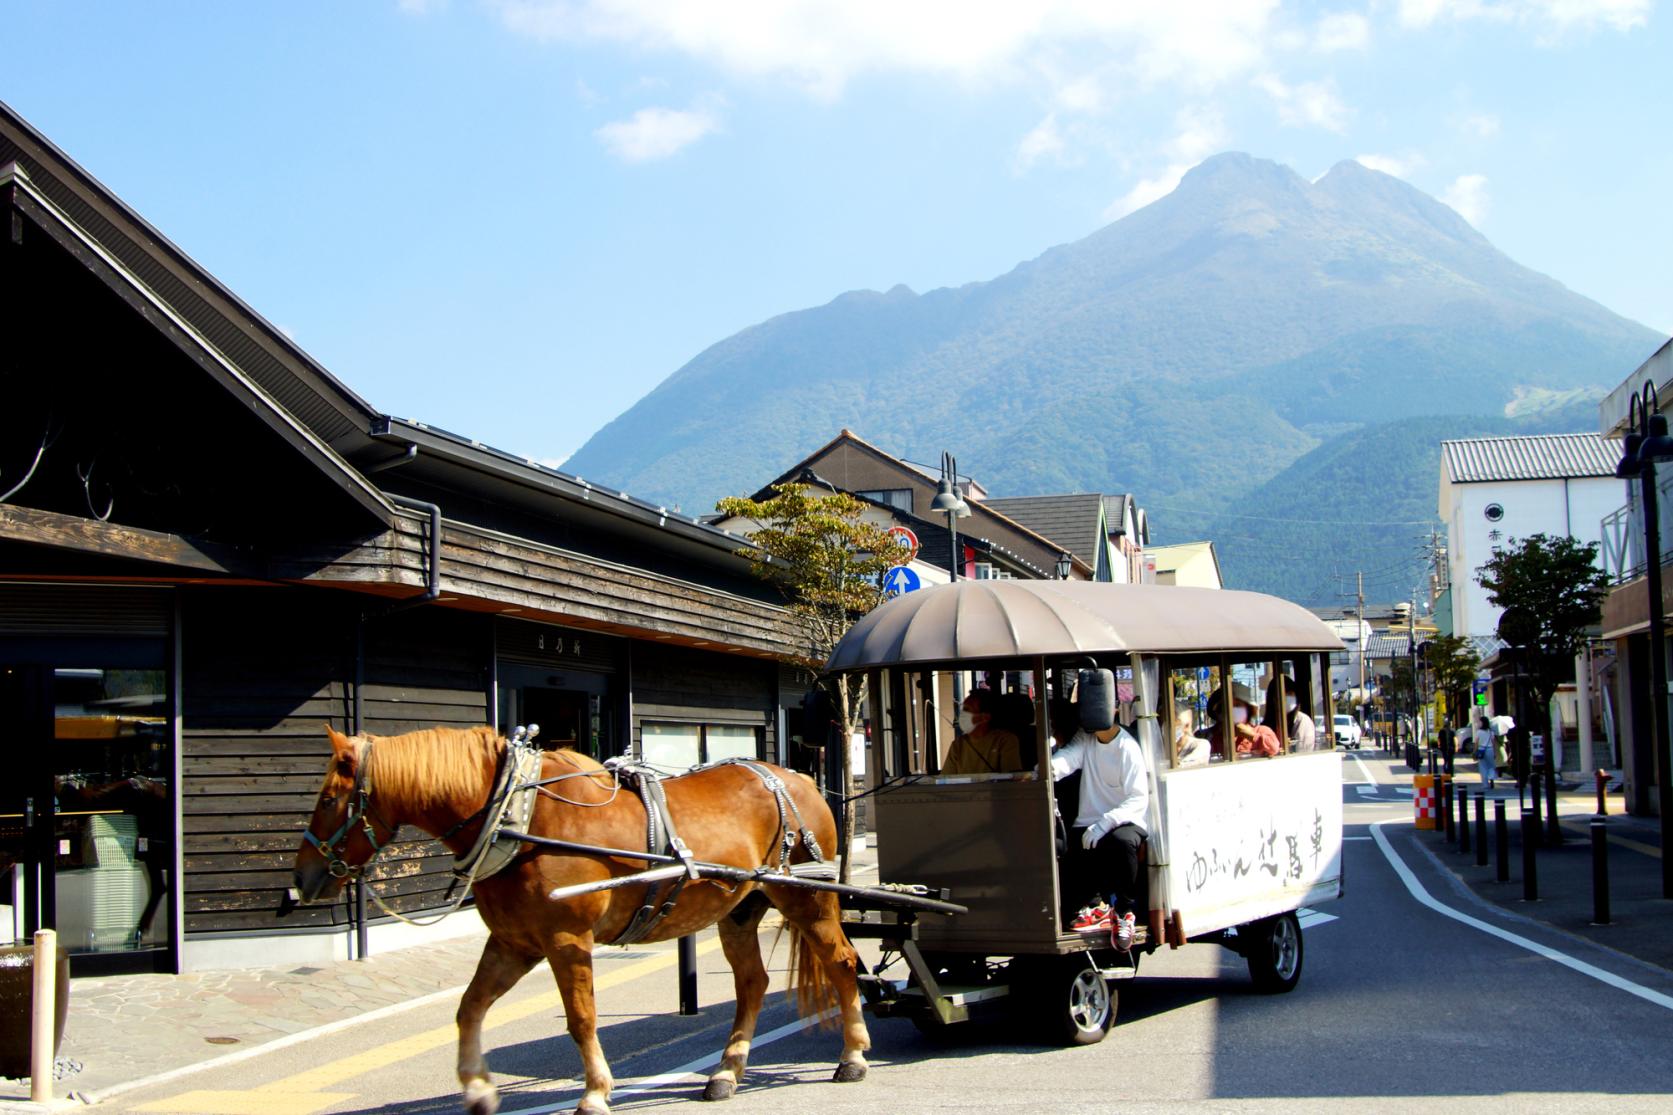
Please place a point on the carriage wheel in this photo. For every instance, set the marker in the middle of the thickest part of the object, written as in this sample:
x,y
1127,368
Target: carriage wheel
x,y
1073,1000
1274,953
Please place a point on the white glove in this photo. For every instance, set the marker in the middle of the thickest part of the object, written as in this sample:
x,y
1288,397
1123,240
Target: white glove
x,y
1092,835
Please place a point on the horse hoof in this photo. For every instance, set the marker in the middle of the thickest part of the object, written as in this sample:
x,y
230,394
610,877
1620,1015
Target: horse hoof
x,y
850,1072
591,1109
719,1088
482,1099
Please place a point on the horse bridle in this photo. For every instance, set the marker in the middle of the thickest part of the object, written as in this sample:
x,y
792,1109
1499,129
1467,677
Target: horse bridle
x,y
359,813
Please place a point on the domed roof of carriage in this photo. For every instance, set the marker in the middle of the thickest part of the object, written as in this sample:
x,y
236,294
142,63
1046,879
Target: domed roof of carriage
x,y
970,620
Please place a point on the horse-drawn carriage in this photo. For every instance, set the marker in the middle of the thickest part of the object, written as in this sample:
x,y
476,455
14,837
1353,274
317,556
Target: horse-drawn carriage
x,y
1236,843
562,853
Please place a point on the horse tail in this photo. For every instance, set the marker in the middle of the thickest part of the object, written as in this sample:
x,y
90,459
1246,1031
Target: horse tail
x,y
816,996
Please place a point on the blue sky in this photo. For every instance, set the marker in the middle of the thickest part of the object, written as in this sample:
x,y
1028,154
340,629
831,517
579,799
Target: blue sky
x,y
512,218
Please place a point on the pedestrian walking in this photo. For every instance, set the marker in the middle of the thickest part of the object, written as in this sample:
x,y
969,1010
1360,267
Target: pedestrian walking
x,y
1486,752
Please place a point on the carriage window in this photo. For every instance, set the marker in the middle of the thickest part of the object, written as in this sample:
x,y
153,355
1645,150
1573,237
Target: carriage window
x,y
1291,706
1189,713
1320,689
1254,732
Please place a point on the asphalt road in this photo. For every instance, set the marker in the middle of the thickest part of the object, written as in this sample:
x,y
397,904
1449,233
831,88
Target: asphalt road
x,y
1401,1007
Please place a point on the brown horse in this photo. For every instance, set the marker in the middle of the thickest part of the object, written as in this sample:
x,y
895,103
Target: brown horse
x,y
439,780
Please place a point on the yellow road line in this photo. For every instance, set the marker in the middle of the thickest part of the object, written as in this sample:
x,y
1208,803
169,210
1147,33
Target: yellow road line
x,y
1635,845
303,1093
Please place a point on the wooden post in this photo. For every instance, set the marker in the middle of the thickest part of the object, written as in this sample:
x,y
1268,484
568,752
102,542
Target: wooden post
x,y
43,1017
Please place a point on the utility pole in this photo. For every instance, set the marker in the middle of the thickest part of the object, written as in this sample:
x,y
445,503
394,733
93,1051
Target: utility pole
x,y
1360,638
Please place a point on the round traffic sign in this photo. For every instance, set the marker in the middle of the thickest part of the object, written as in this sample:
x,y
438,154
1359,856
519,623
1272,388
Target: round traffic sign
x,y
906,540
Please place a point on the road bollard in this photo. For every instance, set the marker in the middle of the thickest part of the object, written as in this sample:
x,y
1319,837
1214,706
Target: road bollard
x,y
1602,777
1501,840
1463,820
43,1022
1600,871
1533,807
1446,808
1553,827
1530,865
1481,830
688,974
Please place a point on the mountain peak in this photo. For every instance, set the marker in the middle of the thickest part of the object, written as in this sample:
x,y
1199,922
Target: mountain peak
x,y
1240,171
1368,192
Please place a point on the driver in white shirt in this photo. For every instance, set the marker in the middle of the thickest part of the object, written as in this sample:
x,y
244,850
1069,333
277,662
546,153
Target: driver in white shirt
x,y
1103,854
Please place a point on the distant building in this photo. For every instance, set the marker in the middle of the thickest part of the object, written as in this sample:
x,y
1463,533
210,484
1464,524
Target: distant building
x,y
991,541
1623,678
1496,489
1193,564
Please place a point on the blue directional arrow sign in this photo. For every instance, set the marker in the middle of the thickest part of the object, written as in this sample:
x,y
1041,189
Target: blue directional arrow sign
x,y
901,580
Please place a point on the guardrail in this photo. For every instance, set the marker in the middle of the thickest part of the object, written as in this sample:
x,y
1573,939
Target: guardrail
x,y
1621,534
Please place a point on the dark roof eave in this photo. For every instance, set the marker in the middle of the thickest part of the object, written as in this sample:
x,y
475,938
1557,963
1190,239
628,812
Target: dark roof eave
x,y
510,469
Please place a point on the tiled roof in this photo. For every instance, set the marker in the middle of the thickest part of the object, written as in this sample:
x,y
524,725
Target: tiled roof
x,y
1070,521
1538,457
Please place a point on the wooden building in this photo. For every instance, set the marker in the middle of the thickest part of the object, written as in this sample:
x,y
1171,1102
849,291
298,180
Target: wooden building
x,y
209,546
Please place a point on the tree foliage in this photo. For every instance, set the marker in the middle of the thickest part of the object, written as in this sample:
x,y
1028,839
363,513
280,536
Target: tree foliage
x,y
823,555
1557,582
829,562
1453,663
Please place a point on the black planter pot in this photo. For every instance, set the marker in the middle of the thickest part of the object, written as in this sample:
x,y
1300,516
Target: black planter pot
x,y
17,1003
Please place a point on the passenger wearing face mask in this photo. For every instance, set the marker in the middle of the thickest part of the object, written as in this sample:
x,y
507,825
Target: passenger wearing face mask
x,y
980,747
1299,725
1104,842
1248,735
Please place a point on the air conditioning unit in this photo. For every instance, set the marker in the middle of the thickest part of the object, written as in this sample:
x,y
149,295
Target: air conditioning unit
x,y
985,571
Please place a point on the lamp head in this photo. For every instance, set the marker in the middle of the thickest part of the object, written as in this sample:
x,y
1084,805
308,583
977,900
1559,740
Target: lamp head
x,y
946,499
1063,566
1656,446
1628,466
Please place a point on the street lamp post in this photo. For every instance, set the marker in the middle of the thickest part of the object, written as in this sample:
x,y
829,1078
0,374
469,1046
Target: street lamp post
x,y
1646,443
948,500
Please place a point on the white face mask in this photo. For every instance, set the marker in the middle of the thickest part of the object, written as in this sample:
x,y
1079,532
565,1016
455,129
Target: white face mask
x,y
1240,715
966,722
1289,704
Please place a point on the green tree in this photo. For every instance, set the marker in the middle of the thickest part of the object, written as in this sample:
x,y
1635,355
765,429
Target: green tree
x,y
1557,583
829,562
1453,663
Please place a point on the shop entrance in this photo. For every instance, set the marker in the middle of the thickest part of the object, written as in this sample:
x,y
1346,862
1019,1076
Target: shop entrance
x,y
573,708
86,807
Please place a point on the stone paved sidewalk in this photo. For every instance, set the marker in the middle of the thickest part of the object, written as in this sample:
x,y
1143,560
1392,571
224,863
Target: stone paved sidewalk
x,y
126,1028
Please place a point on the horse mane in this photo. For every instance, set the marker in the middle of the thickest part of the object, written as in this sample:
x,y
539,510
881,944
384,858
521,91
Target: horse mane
x,y
433,765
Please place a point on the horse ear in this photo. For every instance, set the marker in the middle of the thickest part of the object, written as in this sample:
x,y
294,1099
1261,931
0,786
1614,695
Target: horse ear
x,y
341,745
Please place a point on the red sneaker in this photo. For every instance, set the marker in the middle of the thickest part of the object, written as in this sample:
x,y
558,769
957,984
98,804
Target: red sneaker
x,y
1121,932
1092,918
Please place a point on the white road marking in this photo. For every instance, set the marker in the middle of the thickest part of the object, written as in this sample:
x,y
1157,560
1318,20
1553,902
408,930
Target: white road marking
x,y
1363,769
1309,918
683,1073
1418,892
1366,791
1356,838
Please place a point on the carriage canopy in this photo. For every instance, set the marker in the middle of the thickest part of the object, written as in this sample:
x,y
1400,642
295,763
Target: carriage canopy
x,y
970,620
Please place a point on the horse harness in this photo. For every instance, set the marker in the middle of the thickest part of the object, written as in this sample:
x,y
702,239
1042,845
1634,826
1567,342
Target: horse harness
x,y
510,808
662,839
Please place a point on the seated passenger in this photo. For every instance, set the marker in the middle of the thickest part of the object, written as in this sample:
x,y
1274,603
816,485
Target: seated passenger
x,y
1249,736
1190,748
1103,854
981,747
1014,713
1298,725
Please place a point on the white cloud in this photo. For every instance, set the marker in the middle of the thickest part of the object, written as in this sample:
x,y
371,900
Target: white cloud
x,y
1401,166
1201,133
1481,125
1044,141
656,133
821,45
1553,15
1468,195
1342,31
1311,103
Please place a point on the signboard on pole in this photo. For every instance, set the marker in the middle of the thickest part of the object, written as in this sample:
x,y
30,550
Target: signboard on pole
x,y
907,540
901,580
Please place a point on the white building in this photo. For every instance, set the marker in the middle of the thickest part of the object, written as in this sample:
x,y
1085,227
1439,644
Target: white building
x,y
1502,488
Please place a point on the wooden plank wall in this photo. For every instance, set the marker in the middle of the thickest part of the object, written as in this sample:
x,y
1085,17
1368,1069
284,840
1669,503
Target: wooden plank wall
x,y
681,685
263,669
